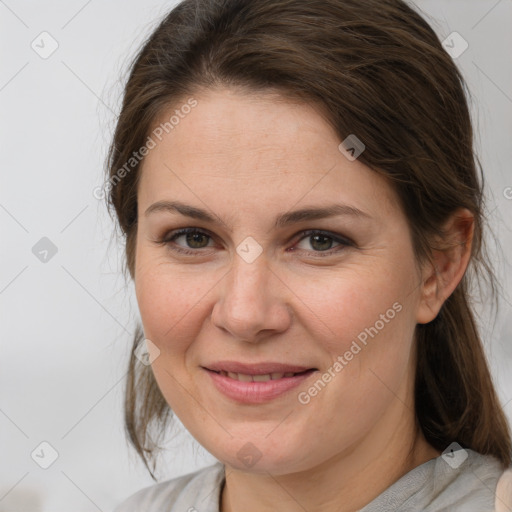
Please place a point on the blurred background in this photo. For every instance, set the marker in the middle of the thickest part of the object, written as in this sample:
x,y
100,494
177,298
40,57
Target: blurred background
x,y
66,312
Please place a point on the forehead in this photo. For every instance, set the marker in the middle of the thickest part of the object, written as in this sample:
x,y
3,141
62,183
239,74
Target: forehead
x,y
252,150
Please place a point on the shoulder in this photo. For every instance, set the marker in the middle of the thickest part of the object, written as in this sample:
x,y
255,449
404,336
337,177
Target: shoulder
x,y
504,492
470,486
460,481
200,489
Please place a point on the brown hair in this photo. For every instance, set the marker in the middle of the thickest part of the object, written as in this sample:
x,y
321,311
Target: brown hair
x,y
381,73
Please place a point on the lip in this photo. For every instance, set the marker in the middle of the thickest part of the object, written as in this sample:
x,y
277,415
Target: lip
x,y
256,368
256,392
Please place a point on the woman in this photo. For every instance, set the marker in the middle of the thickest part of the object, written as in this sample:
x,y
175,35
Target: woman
x,y
297,186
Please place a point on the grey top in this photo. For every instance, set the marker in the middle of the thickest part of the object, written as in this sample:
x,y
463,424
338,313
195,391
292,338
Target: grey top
x,y
439,485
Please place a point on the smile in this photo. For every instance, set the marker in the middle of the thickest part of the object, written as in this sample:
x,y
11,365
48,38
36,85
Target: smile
x,y
257,378
256,388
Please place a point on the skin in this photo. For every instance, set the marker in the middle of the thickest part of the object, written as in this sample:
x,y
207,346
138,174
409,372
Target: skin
x,y
247,158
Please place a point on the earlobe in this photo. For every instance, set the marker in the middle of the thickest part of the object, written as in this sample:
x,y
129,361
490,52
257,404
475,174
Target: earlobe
x,y
428,309
448,264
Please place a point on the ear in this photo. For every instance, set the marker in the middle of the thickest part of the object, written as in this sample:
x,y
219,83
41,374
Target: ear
x,y
450,259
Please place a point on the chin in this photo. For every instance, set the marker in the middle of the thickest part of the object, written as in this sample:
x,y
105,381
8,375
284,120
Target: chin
x,y
262,457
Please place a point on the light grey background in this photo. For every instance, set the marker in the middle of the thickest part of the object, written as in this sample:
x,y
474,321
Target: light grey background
x,y
66,324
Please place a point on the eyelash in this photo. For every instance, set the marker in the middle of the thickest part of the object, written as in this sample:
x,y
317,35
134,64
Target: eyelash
x,y
173,235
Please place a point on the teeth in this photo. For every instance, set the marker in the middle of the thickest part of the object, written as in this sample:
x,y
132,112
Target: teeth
x,y
256,378
261,378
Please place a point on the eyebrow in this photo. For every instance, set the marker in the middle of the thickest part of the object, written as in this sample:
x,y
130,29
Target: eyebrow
x,y
282,220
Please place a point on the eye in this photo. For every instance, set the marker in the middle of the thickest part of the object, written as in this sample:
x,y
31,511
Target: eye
x,y
322,241
196,239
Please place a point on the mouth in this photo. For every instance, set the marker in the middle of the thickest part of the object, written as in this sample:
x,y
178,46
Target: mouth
x,y
256,384
264,377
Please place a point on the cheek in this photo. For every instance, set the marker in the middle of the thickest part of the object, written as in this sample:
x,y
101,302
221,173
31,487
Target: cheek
x,y
358,303
364,322
169,303
170,308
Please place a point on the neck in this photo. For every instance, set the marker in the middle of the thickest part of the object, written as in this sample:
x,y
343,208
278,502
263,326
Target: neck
x,y
345,483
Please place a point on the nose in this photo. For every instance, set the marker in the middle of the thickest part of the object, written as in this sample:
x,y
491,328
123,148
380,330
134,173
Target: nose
x,y
253,302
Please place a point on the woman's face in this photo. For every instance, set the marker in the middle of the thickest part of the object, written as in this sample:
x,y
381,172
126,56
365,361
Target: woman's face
x,y
341,300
